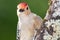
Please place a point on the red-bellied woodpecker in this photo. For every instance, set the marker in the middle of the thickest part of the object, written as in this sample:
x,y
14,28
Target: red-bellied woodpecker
x,y
28,22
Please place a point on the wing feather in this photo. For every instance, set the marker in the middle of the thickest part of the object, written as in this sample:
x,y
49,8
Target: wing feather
x,y
18,32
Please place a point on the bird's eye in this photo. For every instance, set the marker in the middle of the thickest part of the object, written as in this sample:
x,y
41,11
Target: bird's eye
x,y
21,10
27,8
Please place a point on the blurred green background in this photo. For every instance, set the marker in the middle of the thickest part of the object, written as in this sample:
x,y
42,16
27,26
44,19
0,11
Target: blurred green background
x,y
8,17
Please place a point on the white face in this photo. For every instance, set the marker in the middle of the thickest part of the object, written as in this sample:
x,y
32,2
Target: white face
x,y
22,10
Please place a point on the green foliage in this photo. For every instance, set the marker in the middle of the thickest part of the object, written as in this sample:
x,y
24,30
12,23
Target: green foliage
x,y
8,17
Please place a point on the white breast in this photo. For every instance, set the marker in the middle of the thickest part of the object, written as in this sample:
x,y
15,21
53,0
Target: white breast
x,y
26,27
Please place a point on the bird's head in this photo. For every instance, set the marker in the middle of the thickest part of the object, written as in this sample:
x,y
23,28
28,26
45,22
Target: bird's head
x,y
23,8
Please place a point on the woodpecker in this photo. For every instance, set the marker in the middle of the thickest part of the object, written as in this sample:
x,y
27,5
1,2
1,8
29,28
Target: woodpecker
x,y
50,29
28,22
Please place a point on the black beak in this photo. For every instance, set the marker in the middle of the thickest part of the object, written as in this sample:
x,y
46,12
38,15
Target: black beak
x,y
21,10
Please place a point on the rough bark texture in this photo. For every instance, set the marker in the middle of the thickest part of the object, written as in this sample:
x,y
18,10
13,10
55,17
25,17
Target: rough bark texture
x,y
50,29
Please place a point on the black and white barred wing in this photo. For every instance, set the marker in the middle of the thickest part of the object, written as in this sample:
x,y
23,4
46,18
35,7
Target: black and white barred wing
x,y
18,33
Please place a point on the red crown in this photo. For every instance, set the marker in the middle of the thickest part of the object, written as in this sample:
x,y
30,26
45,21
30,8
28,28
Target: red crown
x,y
22,5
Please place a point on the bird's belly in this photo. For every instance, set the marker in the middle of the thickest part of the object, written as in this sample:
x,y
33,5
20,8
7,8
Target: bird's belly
x,y
27,29
27,32
26,35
